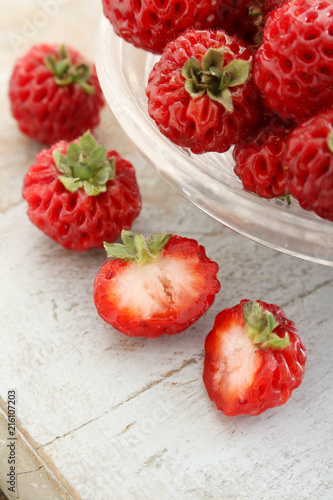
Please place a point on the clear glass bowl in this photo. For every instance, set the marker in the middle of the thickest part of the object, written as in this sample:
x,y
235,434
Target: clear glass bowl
x,y
206,180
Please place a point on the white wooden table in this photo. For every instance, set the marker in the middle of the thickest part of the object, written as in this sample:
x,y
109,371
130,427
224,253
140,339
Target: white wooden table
x,y
101,416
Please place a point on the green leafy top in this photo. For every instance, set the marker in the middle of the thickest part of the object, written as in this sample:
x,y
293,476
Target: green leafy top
x,y
259,326
213,78
66,73
136,247
85,166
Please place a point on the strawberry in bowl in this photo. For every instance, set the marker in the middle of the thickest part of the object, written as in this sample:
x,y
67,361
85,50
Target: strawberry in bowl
x,y
155,286
293,66
260,158
79,194
150,25
309,164
200,93
254,358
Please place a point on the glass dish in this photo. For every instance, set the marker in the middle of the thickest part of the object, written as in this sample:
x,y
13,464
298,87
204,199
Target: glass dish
x,y
206,180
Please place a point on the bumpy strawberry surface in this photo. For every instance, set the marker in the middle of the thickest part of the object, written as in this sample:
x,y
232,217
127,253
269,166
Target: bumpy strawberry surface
x,y
193,98
309,164
269,5
236,20
150,25
260,158
254,358
156,286
294,65
51,101
73,219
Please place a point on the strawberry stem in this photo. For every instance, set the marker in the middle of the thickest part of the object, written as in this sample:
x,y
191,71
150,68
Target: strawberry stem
x,y
85,166
212,77
66,73
259,326
137,247
284,197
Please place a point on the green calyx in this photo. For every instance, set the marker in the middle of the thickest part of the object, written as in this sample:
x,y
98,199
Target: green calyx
x,y
285,198
330,141
85,166
136,247
66,73
259,326
212,77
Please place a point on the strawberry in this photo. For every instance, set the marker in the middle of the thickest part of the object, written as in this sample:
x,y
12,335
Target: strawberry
x,y
54,94
238,19
309,164
150,25
260,158
254,358
270,5
259,10
200,92
293,67
155,286
79,195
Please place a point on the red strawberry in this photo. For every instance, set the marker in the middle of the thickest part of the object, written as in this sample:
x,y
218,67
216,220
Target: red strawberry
x,y
254,358
79,195
259,10
157,286
54,94
150,25
260,158
309,164
200,93
270,5
294,65
237,18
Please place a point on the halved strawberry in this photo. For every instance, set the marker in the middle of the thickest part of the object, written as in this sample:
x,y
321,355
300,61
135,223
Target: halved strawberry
x,y
155,286
254,358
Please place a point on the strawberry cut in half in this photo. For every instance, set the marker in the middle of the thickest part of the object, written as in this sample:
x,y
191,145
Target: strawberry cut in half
x,y
254,358
155,286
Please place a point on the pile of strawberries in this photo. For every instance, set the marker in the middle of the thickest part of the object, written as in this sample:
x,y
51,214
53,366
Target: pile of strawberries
x,y
257,74
209,91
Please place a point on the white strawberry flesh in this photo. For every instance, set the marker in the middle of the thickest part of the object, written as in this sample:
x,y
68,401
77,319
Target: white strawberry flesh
x,y
239,362
159,286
